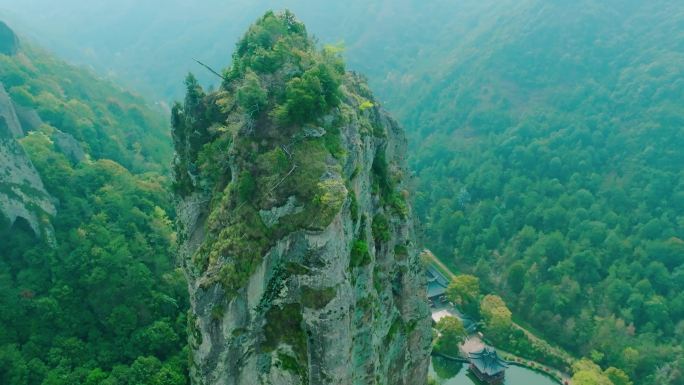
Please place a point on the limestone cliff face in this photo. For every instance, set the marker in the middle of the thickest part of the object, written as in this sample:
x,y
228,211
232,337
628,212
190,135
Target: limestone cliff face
x,y
22,194
295,234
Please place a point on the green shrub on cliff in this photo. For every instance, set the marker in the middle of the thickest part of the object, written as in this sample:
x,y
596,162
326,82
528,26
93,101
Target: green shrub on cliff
x,y
310,96
257,125
251,94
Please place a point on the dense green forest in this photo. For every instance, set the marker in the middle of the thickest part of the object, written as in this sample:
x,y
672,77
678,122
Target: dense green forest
x,y
549,163
105,305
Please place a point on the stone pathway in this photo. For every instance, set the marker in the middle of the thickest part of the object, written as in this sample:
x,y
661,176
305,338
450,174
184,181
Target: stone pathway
x,y
438,314
472,344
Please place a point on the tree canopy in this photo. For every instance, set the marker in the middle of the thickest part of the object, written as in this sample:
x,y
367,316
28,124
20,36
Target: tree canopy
x,y
464,290
104,304
451,335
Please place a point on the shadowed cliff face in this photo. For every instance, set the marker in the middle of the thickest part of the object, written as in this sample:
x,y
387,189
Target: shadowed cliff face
x,y
22,194
295,232
9,43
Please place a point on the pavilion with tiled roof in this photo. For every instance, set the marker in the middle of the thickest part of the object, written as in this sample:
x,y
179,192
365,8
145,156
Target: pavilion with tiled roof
x,y
487,366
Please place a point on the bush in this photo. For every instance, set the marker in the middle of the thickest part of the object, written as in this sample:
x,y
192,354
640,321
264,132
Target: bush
x,y
309,96
246,186
451,334
380,228
251,96
360,256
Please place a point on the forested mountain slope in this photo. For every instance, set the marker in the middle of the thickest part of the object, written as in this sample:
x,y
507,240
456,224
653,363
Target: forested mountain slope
x,y
98,301
549,162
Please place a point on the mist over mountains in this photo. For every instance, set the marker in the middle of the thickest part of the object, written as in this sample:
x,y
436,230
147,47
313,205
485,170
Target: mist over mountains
x,y
148,45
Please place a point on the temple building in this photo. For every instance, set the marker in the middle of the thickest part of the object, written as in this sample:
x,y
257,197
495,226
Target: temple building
x,y
437,285
487,366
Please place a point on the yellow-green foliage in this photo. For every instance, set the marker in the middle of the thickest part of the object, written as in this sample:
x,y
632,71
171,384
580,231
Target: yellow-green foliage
x,y
464,289
240,243
273,162
251,95
271,168
452,333
366,105
237,238
588,373
332,194
496,315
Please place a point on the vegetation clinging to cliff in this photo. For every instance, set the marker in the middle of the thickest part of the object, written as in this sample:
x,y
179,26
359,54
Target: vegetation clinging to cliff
x,y
260,143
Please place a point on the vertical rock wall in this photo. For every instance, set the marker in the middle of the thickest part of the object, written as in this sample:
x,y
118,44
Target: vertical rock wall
x,y
296,238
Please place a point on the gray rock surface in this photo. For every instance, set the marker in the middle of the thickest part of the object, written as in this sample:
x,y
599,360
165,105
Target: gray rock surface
x,y
308,314
28,117
69,146
272,216
22,194
8,112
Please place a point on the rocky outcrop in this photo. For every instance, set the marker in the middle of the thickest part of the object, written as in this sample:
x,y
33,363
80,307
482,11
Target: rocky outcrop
x,y
69,146
8,112
22,194
294,231
28,118
9,43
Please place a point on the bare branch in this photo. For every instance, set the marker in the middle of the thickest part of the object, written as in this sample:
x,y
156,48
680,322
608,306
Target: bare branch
x,y
289,154
294,167
210,69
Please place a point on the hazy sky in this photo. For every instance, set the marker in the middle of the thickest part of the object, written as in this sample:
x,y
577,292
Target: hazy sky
x,y
149,44
119,37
